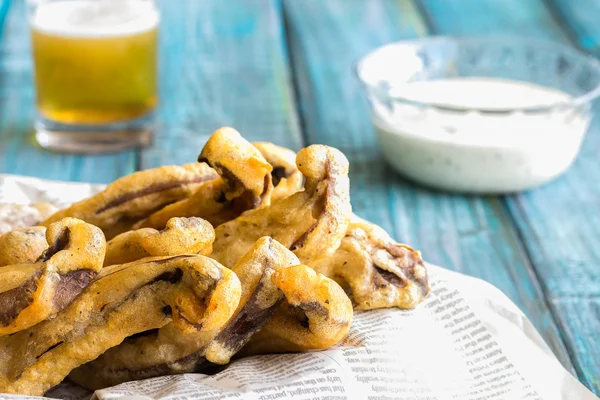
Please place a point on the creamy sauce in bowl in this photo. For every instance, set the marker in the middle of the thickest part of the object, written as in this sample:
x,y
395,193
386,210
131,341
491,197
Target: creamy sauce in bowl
x,y
498,149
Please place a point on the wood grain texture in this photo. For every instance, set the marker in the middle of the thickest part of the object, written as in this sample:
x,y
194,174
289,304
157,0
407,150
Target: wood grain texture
x,y
580,317
580,19
559,224
474,235
492,17
4,5
17,112
222,63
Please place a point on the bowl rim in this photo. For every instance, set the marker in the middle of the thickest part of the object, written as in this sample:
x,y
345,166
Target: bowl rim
x,y
574,101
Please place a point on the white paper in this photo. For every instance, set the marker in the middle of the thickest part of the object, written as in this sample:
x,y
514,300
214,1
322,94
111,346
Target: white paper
x,y
467,340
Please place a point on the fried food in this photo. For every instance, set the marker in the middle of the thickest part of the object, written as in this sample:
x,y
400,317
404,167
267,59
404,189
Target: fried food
x,y
165,301
244,183
133,197
181,236
176,295
260,297
316,314
378,272
287,179
30,293
23,245
13,216
311,223
168,352
298,308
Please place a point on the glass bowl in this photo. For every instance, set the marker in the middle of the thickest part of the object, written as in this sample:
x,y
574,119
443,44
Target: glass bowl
x,y
479,115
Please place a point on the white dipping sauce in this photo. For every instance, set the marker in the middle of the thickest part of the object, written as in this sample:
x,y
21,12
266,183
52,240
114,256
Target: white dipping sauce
x,y
469,151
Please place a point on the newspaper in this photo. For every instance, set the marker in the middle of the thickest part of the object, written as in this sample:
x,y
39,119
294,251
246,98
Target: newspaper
x,y
466,341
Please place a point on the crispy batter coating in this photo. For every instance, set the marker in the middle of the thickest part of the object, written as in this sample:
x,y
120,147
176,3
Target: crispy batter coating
x,y
311,223
378,272
287,179
244,183
260,297
127,247
169,353
30,293
13,216
23,245
136,196
181,236
316,314
176,295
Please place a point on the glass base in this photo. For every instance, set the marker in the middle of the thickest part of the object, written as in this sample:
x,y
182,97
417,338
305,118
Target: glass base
x,y
94,139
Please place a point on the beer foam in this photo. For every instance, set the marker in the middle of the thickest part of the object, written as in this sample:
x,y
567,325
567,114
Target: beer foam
x,y
95,18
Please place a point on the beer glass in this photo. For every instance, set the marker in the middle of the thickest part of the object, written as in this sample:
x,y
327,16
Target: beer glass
x,y
95,65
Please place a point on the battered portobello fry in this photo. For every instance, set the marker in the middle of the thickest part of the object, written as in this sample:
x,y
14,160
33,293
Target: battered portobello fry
x,y
316,314
22,245
287,179
311,223
244,183
180,294
181,236
136,196
260,297
30,293
378,272
170,352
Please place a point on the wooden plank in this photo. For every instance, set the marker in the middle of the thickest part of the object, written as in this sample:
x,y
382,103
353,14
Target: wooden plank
x,y
223,63
581,321
474,235
324,49
4,5
492,17
559,223
18,155
580,20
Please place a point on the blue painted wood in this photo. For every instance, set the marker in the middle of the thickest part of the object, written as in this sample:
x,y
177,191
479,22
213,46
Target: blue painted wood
x,y
579,319
492,17
474,235
4,5
226,63
558,223
222,63
17,112
580,19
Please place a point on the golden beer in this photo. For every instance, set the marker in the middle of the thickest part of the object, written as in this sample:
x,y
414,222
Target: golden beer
x,y
88,72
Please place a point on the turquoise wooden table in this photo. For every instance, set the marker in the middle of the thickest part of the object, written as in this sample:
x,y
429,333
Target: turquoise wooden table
x,y
281,70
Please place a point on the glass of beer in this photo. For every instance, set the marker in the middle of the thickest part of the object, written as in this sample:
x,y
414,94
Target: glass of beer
x,y
95,67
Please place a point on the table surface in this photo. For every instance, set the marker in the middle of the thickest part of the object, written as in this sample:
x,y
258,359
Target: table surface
x,y
281,70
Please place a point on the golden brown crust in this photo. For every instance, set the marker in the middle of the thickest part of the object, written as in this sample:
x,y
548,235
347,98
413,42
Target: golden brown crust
x,y
287,179
244,183
176,295
311,223
135,196
158,308
127,247
30,293
260,297
181,236
23,245
148,356
316,314
378,272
